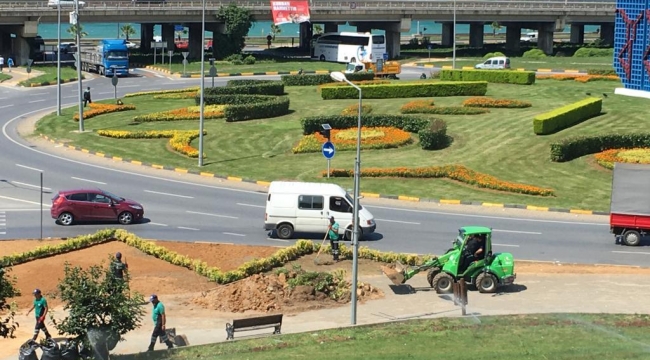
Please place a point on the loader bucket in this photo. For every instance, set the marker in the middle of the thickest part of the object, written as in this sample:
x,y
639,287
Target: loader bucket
x,y
396,274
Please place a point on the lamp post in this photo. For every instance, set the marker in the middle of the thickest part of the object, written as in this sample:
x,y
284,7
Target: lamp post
x,y
339,76
201,105
78,36
58,60
453,61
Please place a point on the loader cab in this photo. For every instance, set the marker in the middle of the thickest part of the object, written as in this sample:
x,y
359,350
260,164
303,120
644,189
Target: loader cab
x,y
463,263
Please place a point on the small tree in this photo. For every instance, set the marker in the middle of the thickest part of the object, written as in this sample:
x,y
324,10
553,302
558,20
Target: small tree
x,y
318,29
495,27
238,22
7,310
275,30
127,30
72,30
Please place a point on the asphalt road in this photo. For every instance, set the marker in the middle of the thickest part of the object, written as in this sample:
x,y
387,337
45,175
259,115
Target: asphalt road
x,y
191,209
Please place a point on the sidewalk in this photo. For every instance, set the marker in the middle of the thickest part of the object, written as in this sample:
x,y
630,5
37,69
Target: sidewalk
x,y
18,74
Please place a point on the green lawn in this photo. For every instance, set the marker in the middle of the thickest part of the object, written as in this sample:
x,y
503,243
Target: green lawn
x,y
565,63
259,66
4,77
500,143
561,336
49,74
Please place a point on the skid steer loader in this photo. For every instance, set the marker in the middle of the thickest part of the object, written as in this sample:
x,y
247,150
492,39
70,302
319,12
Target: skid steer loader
x,y
486,274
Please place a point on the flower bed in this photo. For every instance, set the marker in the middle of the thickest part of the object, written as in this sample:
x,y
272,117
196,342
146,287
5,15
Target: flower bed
x,y
182,95
607,158
186,113
354,110
97,109
583,78
178,140
486,102
158,92
454,172
383,137
427,107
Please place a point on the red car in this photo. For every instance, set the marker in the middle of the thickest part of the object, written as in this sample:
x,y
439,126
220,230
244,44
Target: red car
x,y
69,206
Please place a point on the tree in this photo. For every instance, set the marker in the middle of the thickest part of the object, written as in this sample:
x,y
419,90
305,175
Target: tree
x,y
7,310
275,30
318,29
495,27
72,30
127,30
238,22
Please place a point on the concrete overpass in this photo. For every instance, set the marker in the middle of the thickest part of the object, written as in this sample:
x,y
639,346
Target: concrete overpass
x,y
22,18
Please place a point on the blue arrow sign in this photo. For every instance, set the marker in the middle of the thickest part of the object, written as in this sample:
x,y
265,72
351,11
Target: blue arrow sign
x,y
328,150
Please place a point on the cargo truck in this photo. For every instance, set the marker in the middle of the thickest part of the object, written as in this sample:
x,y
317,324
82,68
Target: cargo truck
x,y
629,215
108,56
381,69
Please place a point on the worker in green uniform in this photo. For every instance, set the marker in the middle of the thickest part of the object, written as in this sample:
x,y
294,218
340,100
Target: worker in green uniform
x,y
159,320
119,267
40,310
333,234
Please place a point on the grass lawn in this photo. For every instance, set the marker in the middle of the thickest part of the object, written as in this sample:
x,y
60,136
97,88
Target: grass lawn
x,y
259,66
570,337
500,143
49,75
570,63
4,77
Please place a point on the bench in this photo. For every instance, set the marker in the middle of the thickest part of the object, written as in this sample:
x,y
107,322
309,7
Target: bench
x,y
254,323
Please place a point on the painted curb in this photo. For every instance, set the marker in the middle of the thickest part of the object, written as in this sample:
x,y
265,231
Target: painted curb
x,y
165,71
46,83
449,67
370,195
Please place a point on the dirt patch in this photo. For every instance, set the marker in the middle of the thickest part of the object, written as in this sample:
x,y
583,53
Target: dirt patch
x,y
10,247
548,268
224,256
325,263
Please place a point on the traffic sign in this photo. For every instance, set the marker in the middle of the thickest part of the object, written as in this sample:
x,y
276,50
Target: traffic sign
x,y
328,150
429,46
28,69
31,61
185,62
385,56
213,71
114,79
185,53
179,28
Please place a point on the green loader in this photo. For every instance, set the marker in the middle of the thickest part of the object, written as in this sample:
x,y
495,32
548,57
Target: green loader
x,y
486,272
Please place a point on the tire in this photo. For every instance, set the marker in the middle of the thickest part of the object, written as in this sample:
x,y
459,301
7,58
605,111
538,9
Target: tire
x,y
631,238
322,58
285,231
66,219
432,274
125,218
442,283
348,234
353,60
486,283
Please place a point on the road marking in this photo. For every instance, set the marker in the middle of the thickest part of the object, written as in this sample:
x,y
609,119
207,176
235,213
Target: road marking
x,y
106,92
507,245
188,228
41,94
632,252
168,194
156,224
398,221
215,215
280,240
92,181
25,201
29,168
35,101
70,97
233,234
30,185
517,232
13,210
6,106
128,86
251,205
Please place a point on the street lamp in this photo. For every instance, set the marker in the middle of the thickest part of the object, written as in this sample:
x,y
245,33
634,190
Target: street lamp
x,y
201,105
58,60
78,58
339,76
453,61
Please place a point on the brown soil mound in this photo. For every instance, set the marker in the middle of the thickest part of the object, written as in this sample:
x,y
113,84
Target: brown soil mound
x,y
224,256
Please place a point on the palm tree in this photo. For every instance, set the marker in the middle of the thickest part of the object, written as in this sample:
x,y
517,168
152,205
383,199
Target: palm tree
x,y
495,27
318,29
127,30
275,30
72,30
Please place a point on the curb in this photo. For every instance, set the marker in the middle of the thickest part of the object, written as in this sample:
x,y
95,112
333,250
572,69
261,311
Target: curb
x,y
48,83
370,195
449,67
165,71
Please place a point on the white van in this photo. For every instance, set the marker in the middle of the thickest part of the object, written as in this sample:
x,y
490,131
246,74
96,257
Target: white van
x,y
64,4
306,207
497,63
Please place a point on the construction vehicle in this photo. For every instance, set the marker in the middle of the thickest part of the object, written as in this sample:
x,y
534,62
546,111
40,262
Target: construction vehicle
x,y
381,69
108,57
486,274
629,213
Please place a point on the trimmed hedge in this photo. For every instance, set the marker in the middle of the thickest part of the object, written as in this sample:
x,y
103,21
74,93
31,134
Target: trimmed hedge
x,y
244,82
567,116
576,146
491,76
248,107
256,88
434,136
411,124
388,91
319,79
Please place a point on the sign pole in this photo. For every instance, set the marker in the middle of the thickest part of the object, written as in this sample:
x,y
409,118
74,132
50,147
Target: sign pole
x,y
328,168
41,205
170,53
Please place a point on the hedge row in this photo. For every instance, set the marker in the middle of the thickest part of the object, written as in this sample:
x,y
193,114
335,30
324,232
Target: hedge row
x,y
491,76
434,136
567,116
411,124
251,87
319,79
386,91
574,147
247,107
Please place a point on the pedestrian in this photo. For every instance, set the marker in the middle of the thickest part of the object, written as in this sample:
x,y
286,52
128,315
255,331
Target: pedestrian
x,y
40,310
159,320
10,63
333,234
87,97
2,63
119,267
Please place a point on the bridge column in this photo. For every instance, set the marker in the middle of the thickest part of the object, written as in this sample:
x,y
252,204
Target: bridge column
x,y
393,37
607,34
577,34
168,36
513,36
306,34
195,47
476,34
364,27
545,41
146,37
331,27
447,34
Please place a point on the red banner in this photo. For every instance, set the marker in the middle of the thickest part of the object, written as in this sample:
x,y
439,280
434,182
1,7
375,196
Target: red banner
x,y
290,12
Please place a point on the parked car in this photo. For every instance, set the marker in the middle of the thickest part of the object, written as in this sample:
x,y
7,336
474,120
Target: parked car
x,y
131,45
529,37
70,206
64,4
499,62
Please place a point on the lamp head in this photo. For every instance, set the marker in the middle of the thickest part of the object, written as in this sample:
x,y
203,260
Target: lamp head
x,y
338,76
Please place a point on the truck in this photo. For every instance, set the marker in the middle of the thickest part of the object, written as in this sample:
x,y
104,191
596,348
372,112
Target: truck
x,y
381,69
108,56
629,214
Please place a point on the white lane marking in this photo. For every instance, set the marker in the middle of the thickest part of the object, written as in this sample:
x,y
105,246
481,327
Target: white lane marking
x,y
3,98
215,215
6,106
507,245
3,233
11,210
29,168
251,205
168,194
25,201
91,181
30,185
632,252
40,94
398,221
188,228
156,224
486,216
70,97
128,86
35,101
106,92
280,240
233,234
517,232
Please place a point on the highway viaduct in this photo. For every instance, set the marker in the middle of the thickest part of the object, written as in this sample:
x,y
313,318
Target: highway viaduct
x,y
19,20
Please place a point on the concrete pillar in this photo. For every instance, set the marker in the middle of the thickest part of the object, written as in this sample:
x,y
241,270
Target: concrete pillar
x,y
331,27
476,33
21,50
513,36
577,34
607,34
168,36
393,37
146,37
545,41
306,34
364,27
447,34
195,46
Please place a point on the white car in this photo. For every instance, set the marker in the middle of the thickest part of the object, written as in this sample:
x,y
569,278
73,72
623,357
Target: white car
x,y
499,63
64,4
131,45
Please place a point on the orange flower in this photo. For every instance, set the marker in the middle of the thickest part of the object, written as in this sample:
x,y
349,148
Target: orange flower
x,y
583,78
382,137
97,109
607,158
354,109
486,102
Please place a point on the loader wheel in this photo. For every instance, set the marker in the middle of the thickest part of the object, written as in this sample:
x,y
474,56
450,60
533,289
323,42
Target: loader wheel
x,y
486,283
432,274
632,238
443,283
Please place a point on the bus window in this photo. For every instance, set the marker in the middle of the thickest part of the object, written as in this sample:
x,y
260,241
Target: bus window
x,y
378,39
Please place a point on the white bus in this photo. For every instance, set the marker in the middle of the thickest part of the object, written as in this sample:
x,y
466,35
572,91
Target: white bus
x,y
349,47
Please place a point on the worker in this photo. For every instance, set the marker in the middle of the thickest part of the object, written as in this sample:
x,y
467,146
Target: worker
x,y
40,310
474,251
87,98
159,320
118,267
333,234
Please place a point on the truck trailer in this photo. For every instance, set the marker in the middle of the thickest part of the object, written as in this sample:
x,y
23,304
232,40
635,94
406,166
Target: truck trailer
x,y
629,215
108,56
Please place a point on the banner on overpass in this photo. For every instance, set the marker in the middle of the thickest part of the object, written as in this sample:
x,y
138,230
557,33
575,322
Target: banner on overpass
x,y
290,12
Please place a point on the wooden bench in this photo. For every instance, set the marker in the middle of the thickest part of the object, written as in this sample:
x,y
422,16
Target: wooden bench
x,y
254,323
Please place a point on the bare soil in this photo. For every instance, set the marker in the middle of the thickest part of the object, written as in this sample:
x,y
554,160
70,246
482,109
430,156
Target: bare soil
x,y
224,256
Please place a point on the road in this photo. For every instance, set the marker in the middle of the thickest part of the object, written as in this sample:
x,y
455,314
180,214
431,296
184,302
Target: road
x,y
190,208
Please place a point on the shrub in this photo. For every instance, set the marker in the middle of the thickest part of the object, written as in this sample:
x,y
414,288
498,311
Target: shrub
x,y
249,60
493,54
602,72
178,140
491,76
263,88
428,89
346,139
574,147
248,82
593,52
567,116
319,79
234,58
97,109
427,107
486,102
354,110
186,113
277,106
158,92
434,136
411,124
534,54
362,82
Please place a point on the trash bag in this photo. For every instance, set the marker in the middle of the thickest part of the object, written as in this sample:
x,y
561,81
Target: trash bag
x,y
27,351
51,350
70,350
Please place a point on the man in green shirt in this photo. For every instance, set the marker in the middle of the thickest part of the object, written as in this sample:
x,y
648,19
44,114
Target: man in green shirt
x,y
40,307
159,320
119,267
333,234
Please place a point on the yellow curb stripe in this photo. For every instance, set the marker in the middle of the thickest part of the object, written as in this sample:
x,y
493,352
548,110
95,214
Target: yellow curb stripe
x,y
84,150
544,70
100,154
447,67
71,147
321,72
233,178
207,174
450,202
136,162
271,73
182,171
247,74
263,183
157,166
223,74
571,71
370,195
430,65
117,158
582,212
492,204
520,69
408,198
536,208
467,68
